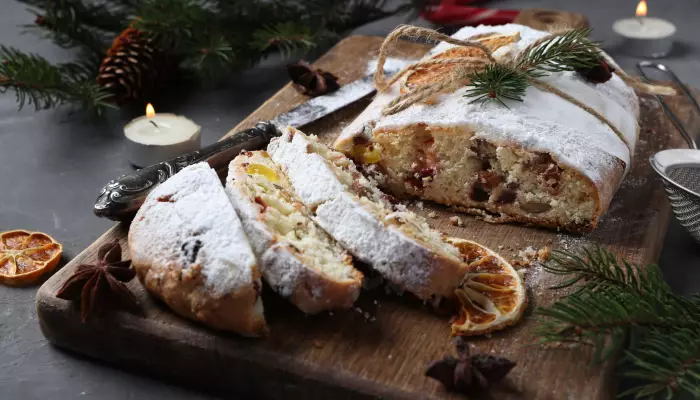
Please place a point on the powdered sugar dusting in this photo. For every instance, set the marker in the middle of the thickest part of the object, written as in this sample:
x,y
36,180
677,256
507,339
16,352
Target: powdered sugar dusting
x,y
543,122
188,221
391,65
362,224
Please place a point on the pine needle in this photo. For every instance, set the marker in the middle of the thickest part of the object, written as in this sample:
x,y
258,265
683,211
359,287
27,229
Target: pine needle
x,y
43,85
626,312
560,53
495,83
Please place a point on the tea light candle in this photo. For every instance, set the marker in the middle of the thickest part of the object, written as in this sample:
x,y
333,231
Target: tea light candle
x,y
158,137
647,37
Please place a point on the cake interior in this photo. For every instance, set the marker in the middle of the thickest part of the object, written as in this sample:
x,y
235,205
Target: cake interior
x,y
449,165
380,204
286,216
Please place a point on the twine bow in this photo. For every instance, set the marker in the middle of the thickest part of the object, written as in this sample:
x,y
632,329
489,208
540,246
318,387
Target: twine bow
x,y
466,66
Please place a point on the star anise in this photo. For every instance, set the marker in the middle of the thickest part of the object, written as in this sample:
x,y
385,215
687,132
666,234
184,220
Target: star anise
x,y
102,283
468,373
601,73
310,81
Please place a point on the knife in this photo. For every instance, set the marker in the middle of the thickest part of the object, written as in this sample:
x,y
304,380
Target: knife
x,y
121,198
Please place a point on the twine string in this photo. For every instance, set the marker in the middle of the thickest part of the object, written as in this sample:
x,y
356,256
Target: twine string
x,y
459,76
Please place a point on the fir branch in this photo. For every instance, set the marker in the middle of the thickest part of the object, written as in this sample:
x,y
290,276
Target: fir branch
x,y
64,23
286,37
624,309
37,82
609,318
174,24
560,53
597,266
497,82
210,59
107,16
563,53
668,363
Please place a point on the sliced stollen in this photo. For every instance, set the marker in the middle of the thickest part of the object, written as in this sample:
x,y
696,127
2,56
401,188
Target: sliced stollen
x,y
543,160
297,257
189,249
398,244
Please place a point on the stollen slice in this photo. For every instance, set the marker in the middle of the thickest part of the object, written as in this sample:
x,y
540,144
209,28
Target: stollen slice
x,y
398,244
298,259
189,249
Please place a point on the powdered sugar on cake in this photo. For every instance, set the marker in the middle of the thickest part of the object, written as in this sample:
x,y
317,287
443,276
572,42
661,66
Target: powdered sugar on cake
x,y
391,65
326,181
542,122
191,213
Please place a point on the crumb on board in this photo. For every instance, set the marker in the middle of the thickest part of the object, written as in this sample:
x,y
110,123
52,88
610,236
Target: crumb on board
x,y
456,221
432,214
528,256
419,204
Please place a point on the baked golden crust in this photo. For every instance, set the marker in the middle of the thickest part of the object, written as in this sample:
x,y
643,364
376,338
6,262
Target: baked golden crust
x,y
185,293
543,161
446,165
398,244
297,258
188,248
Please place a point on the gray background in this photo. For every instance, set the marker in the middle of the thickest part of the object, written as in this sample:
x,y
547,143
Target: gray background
x,y
53,165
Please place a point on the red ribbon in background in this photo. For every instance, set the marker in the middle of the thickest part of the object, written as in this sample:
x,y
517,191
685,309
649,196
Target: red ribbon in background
x,y
457,12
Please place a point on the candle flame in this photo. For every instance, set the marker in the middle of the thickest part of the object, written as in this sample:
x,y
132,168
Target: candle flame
x,y
641,9
150,111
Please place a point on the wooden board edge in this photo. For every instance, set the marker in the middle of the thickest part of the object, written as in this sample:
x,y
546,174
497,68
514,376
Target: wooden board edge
x,y
56,317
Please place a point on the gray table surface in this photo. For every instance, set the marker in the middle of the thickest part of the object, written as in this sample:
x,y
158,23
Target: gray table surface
x,y
52,166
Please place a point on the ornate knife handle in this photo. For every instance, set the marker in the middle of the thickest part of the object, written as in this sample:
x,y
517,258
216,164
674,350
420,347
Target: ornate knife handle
x,y
121,198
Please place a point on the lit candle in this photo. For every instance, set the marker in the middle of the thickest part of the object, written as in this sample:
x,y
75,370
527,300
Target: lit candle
x,y
644,36
158,137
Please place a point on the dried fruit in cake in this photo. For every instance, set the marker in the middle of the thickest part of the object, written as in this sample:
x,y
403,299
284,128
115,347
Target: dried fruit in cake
x,y
433,73
544,161
398,244
492,294
298,259
188,248
27,256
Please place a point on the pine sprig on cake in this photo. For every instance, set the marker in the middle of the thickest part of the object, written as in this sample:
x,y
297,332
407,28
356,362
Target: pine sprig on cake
x,y
568,52
561,53
627,312
497,82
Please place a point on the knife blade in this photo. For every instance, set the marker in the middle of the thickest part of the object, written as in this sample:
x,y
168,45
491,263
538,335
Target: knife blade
x,y
121,198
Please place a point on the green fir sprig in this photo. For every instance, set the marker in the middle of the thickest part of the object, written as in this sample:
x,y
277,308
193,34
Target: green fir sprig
x,y
567,52
38,83
203,39
629,314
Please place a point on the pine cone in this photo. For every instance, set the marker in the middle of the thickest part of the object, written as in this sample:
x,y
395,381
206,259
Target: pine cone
x,y
131,68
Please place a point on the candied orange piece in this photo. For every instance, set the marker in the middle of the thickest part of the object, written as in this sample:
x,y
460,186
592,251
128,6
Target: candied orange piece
x,y
492,294
27,256
434,73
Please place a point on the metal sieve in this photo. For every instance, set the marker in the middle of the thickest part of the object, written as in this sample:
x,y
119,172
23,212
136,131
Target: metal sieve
x,y
679,168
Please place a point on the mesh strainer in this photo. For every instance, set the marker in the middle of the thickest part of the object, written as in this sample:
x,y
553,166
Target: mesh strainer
x,y
679,168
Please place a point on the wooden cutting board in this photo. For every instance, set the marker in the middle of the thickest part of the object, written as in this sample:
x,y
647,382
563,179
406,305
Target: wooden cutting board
x,y
380,348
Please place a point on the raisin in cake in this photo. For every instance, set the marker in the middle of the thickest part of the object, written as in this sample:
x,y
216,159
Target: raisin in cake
x,y
542,161
189,249
398,244
297,258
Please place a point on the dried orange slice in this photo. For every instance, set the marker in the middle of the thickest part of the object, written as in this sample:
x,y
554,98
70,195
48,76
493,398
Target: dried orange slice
x,y
433,73
27,256
492,294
